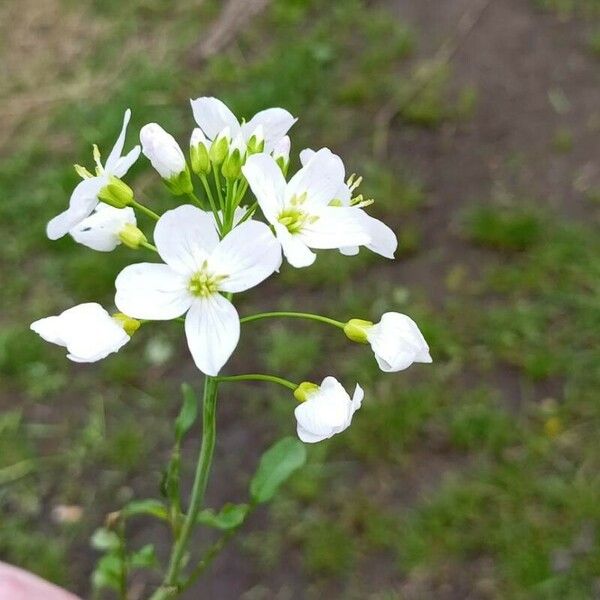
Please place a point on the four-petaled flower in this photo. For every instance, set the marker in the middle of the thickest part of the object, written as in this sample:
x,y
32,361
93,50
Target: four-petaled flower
x,y
198,269
327,410
87,331
84,198
300,210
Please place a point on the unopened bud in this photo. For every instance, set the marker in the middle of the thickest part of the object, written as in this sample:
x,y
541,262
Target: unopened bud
x,y
305,390
256,143
131,236
129,324
356,330
232,167
281,153
220,147
116,193
199,153
181,183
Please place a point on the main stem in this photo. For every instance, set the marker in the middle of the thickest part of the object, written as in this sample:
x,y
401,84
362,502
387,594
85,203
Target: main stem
x,y
170,587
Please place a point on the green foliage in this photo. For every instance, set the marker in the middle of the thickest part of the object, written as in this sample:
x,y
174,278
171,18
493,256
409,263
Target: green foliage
x,y
230,516
276,465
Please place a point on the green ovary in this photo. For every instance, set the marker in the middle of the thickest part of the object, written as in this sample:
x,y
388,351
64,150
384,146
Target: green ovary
x,y
294,219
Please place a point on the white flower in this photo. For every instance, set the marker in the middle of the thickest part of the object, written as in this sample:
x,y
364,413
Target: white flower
x,y
85,196
198,267
281,152
100,231
87,331
383,239
300,210
397,342
162,150
213,116
327,410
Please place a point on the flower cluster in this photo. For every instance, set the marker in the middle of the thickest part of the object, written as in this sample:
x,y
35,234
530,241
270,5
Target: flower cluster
x,y
216,245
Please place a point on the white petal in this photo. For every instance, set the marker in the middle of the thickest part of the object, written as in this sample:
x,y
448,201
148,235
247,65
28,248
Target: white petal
x,y
87,330
319,179
81,204
247,255
117,151
349,250
213,116
295,250
383,240
306,155
267,184
152,291
212,327
184,237
276,122
336,227
100,231
125,163
162,150
282,148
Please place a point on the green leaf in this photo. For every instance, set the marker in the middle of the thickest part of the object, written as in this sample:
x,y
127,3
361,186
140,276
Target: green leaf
x,y
104,539
276,466
108,572
149,506
144,558
169,485
187,414
229,517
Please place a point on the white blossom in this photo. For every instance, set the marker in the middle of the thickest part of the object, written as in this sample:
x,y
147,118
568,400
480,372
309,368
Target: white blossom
x,y
397,342
328,410
213,117
383,240
197,268
162,150
100,231
300,210
84,198
87,331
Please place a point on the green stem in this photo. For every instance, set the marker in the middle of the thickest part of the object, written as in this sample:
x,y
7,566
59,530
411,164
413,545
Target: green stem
x,y
217,178
258,377
171,587
292,315
211,200
195,199
149,246
145,210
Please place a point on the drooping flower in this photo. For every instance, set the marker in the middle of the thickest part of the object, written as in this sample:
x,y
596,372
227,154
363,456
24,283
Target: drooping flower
x,y
300,210
84,198
163,151
87,331
100,231
383,240
325,410
396,341
213,117
197,269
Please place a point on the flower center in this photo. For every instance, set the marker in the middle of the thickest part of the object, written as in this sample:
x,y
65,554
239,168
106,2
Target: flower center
x,y
203,283
293,218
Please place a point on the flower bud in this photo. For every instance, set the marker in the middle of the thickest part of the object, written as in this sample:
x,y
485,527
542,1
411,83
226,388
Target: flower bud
x,y
356,330
162,150
232,167
304,390
129,324
281,153
220,147
180,184
116,193
199,153
256,143
132,236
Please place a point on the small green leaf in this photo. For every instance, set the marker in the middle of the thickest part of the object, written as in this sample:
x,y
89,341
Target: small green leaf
x,y
169,486
104,539
108,572
188,413
144,558
149,506
229,517
276,466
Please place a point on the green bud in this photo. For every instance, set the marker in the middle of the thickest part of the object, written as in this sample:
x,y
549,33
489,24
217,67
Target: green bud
x,y
116,193
181,183
232,167
219,150
200,159
356,330
131,236
303,392
129,324
255,144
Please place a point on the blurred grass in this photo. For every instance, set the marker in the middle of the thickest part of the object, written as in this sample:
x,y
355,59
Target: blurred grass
x,y
437,472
